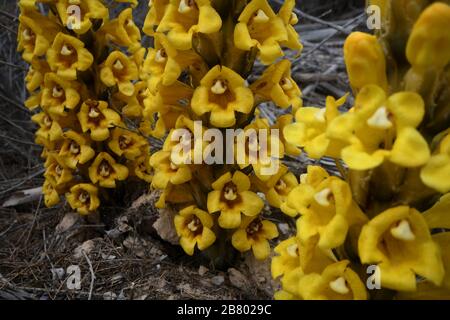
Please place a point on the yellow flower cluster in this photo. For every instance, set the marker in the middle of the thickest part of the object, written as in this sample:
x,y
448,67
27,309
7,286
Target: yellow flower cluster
x,y
374,232
81,90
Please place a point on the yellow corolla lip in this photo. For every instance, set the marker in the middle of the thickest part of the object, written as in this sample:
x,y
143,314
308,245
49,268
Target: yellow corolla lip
x,y
75,149
231,197
59,94
155,13
398,240
428,43
182,19
51,196
254,233
222,93
97,118
83,197
438,167
290,19
380,128
127,143
193,226
166,171
106,171
120,70
56,171
49,128
123,31
260,27
67,55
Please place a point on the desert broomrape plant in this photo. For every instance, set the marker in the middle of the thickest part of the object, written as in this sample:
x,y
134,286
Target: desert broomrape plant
x,y
99,95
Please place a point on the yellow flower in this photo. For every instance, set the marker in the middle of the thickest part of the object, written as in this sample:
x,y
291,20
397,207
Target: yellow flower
x,y
180,193
49,129
263,149
127,143
134,103
34,100
290,19
88,10
337,282
260,27
51,195
84,198
164,63
183,18
35,76
436,173
56,171
309,130
193,226
157,9
163,108
437,216
168,172
142,169
105,171
326,209
96,117
287,258
222,92
123,31
365,61
120,70
254,234
75,149
399,242
35,34
67,55
231,197
276,84
281,123
380,128
278,187
59,94
429,42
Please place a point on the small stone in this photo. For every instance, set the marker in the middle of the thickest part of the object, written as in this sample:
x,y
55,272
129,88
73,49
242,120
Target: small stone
x,y
237,279
202,270
217,280
109,296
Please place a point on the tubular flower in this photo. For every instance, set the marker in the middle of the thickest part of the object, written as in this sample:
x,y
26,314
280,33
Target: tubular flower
x,y
164,63
278,187
180,193
222,92
254,234
337,282
326,209
287,258
429,42
281,123
123,31
83,197
77,14
51,195
97,118
35,76
127,143
157,9
231,197
142,169
105,171
135,103
365,61
120,70
260,27
58,94
56,171
194,226
67,55
379,127
163,108
437,216
262,149
276,84
49,129
290,19
436,173
399,242
168,172
309,130
183,18
75,150
35,34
